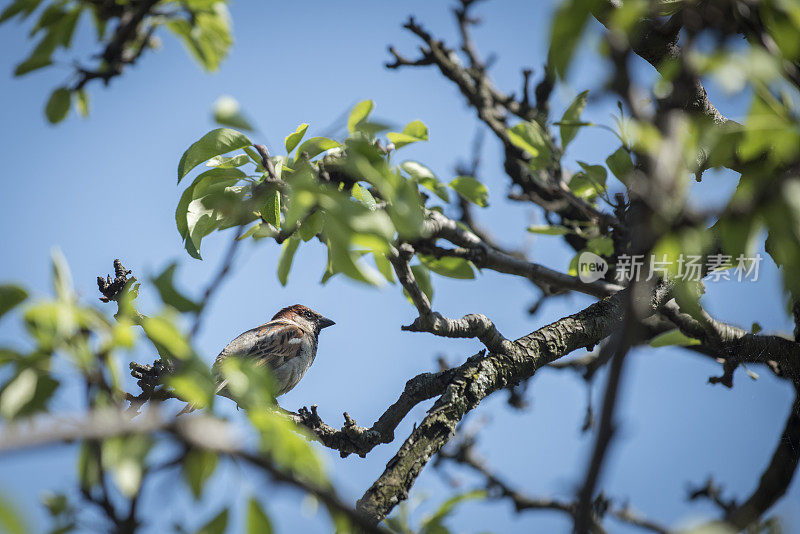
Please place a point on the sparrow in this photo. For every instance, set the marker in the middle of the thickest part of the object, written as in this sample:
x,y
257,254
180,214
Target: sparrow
x,y
287,345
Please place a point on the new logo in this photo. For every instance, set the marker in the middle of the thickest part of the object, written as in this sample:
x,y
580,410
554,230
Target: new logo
x,y
591,267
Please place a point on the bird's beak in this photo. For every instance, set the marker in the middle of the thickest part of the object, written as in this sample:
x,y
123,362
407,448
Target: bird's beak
x,y
324,322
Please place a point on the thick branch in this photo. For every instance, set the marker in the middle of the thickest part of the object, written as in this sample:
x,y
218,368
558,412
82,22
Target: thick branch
x,y
473,381
657,44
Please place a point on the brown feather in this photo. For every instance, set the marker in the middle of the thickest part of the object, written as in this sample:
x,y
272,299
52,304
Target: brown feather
x,y
296,309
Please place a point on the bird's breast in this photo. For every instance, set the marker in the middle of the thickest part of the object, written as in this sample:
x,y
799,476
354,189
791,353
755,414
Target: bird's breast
x,y
289,374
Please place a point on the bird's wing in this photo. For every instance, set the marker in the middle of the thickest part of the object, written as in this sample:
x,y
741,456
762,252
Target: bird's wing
x,y
272,344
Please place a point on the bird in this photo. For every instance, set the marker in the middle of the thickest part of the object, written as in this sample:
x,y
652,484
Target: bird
x,y
287,345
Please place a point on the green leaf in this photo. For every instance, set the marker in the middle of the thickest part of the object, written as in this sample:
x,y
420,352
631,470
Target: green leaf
x,y
384,266
471,189
217,525
294,138
257,521
207,36
601,245
769,130
17,393
62,277
194,383
41,55
673,337
287,445
547,229
449,266
88,465
413,132
197,467
58,106
371,128
425,177
590,183
423,277
255,157
258,231
10,520
166,337
405,208
228,112
738,234
621,165
224,162
341,259
9,356
51,14
214,143
26,394
81,103
316,146
595,172
56,503
32,64
529,137
272,209
66,26
193,219
10,297
312,225
363,195
19,7
565,32
434,524
583,187
171,296
212,212
284,443
124,456
287,255
572,115
360,112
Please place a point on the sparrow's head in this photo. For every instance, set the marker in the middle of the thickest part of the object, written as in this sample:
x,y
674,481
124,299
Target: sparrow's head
x,y
307,318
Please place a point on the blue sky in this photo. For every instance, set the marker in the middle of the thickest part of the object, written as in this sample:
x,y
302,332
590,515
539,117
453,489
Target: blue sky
x,y
104,188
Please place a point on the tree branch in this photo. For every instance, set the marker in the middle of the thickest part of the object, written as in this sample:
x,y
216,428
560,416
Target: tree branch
x,y
464,454
778,475
353,439
203,432
474,249
473,381
736,345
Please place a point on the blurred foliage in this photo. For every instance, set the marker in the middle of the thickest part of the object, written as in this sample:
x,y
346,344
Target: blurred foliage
x,y
93,346
123,30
